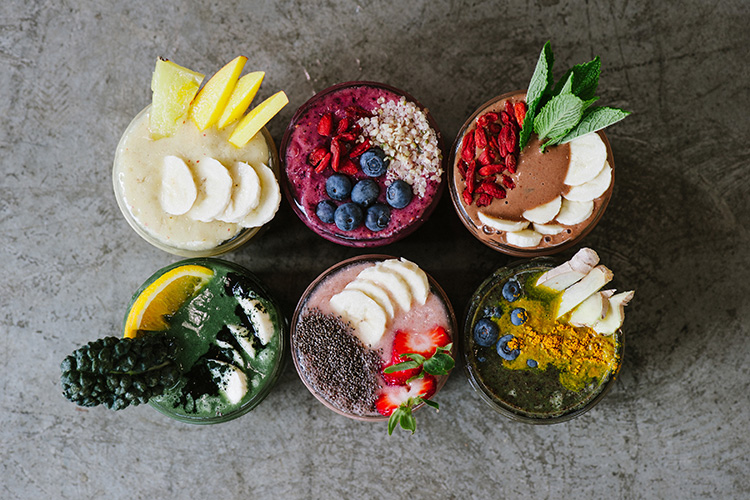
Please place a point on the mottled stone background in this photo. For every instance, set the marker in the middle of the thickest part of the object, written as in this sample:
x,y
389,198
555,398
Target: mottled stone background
x,y
73,74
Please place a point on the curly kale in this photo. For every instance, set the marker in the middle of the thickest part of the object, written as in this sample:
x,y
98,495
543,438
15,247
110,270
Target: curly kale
x,y
119,372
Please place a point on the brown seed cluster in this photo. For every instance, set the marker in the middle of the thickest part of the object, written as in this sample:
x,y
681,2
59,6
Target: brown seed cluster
x,y
336,363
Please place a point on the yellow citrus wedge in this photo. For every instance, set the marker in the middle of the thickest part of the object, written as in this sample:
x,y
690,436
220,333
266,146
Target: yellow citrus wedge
x,y
241,97
257,118
211,100
164,297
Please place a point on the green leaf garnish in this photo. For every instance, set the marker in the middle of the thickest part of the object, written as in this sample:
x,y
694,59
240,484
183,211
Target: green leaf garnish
x,y
441,363
403,415
560,113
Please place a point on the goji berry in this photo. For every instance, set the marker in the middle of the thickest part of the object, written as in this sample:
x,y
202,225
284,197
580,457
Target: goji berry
x,y
507,182
480,138
483,200
325,125
510,163
471,170
467,196
348,167
359,148
335,155
346,137
316,156
492,169
492,189
520,112
486,119
342,126
323,163
468,147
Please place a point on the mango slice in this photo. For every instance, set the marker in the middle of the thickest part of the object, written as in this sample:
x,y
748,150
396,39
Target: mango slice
x,y
257,118
210,102
241,97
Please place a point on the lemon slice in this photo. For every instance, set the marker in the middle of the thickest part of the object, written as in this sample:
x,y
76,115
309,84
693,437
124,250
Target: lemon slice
x,y
164,297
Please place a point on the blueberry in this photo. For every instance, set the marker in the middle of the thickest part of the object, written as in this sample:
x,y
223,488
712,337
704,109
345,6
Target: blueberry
x,y
531,363
373,162
486,332
511,290
378,216
518,316
325,211
504,351
365,192
399,194
493,311
348,217
338,187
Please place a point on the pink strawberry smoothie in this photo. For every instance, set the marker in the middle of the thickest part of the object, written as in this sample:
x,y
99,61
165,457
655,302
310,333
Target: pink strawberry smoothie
x,y
336,366
387,118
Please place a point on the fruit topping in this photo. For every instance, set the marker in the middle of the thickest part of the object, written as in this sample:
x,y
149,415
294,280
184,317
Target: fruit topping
x,y
209,104
504,350
518,316
348,216
174,88
378,216
241,97
339,187
512,290
325,211
178,190
486,332
423,343
365,192
373,162
399,194
257,118
325,125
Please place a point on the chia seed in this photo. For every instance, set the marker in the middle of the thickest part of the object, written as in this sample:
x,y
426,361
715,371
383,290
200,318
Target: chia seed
x,y
336,363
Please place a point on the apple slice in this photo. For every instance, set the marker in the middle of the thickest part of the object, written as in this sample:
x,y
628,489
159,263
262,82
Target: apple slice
x,y
571,271
578,292
587,156
574,212
257,118
501,224
548,229
178,191
592,189
545,212
210,102
525,238
241,97
616,315
365,315
214,190
245,192
270,199
375,292
417,280
174,88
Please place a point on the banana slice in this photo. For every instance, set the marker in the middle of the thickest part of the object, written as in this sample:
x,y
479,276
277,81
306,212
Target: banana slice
x,y
587,156
270,199
524,238
413,275
501,224
214,190
178,191
549,229
616,315
257,314
242,335
574,212
231,381
393,283
592,189
365,315
545,212
375,292
582,290
245,192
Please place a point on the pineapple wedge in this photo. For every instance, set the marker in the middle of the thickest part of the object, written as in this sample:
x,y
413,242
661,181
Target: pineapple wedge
x,y
210,102
174,88
241,97
257,118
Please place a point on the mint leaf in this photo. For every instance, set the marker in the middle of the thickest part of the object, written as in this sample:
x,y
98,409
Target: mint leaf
x,y
594,119
539,89
439,364
406,365
558,116
431,404
585,79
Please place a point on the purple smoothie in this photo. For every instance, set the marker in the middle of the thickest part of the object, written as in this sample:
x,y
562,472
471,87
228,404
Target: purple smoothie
x,y
305,188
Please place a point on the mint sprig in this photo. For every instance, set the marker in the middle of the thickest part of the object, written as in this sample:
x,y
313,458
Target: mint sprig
x,y
403,415
440,363
560,113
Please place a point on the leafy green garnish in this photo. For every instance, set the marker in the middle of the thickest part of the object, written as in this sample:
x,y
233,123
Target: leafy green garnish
x,y
560,113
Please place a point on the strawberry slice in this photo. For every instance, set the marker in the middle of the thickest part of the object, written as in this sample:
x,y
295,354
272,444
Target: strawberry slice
x,y
391,398
423,343
325,125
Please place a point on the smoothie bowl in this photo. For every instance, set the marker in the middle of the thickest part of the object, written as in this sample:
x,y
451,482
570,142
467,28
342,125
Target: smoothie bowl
x,y
203,343
543,343
363,164
192,175
373,337
530,172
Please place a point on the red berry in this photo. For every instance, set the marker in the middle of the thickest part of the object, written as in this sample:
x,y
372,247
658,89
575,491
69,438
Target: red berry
x,y
325,125
423,343
391,397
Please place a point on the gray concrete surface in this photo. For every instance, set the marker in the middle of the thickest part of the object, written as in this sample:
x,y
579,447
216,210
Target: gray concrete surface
x,y
676,423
